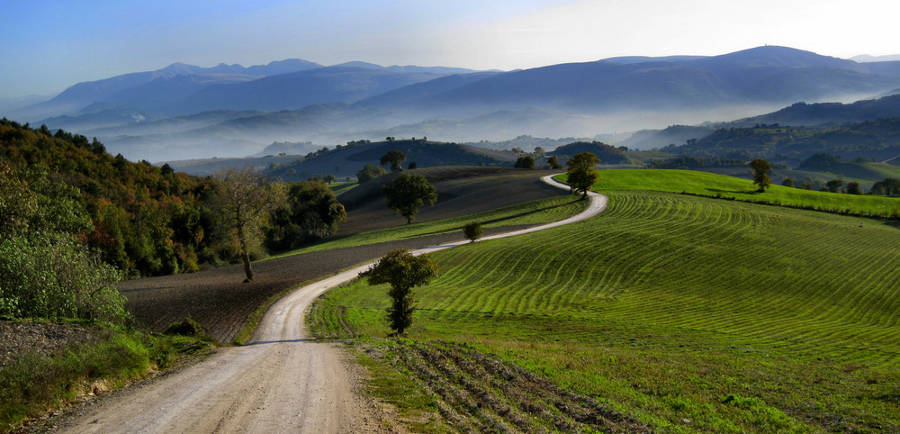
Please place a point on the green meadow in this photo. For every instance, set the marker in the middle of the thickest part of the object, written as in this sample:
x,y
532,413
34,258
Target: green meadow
x,y
729,187
675,312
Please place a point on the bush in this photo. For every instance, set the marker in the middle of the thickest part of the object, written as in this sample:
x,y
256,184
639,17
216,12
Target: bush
x,y
186,327
53,276
473,231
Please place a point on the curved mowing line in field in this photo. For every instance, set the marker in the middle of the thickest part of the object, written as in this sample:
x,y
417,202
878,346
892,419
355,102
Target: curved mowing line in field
x,y
803,278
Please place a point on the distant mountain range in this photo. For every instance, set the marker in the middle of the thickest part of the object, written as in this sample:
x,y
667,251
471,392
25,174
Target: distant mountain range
x,y
185,111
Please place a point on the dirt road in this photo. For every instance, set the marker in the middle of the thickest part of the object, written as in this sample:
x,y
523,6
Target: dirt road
x,y
281,382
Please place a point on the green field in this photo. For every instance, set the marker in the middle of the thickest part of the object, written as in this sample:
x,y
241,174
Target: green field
x,y
686,313
528,213
342,187
714,185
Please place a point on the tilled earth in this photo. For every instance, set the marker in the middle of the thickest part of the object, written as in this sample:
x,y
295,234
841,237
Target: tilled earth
x,y
19,337
221,303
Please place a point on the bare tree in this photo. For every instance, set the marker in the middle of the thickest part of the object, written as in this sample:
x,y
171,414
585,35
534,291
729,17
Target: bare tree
x,y
243,200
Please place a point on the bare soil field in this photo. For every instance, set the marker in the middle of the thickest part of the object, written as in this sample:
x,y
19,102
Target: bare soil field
x,y
461,191
221,303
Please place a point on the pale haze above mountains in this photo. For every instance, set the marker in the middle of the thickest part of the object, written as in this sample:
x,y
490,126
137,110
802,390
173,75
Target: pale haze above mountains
x,y
184,111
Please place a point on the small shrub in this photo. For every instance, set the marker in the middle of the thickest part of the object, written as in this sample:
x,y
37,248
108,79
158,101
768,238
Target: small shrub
x,y
185,327
473,231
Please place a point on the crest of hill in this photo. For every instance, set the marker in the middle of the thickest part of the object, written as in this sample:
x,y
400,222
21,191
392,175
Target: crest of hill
x,y
348,159
606,153
802,113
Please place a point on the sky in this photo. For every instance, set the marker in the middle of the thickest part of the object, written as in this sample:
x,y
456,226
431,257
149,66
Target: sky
x,y
48,45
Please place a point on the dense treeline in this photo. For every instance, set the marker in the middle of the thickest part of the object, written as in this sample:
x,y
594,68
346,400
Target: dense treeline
x,y
143,219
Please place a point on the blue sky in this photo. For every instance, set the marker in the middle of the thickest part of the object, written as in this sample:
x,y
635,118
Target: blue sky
x,y
49,45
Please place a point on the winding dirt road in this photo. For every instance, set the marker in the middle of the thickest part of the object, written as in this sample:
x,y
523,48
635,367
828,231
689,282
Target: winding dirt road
x,y
281,382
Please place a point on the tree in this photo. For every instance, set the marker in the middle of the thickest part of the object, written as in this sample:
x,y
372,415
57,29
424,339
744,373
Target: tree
x,y
886,187
329,178
310,212
407,193
787,182
473,231
412,165
394,157
761,169
553,162
525,162
834,186
402,271
369,172
582,173
853,188
243,200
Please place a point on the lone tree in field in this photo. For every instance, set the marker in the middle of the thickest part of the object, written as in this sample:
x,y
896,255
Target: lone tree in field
x,y
407,193
761,169
582,175
402,271
473,231
369,172
329,178
243,200
853,188
395,157
553,162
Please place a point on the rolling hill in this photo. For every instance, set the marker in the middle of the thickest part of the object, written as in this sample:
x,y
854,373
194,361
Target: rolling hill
x,y
685,313
347,160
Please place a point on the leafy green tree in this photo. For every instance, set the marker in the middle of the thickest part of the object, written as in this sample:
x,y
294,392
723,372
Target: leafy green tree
x,y
402,271
582,173
760,170
853,188
311,212
369,172
51,275
244,200
553,162
473,231
395,158
787,182
834,186
525,162
329,178
887,187
407,193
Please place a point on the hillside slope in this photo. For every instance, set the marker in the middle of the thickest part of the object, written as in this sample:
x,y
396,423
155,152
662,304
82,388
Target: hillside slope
x,y
688,313
347,160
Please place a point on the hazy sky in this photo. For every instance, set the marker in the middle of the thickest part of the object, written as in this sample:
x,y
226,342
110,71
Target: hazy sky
x,y
48,45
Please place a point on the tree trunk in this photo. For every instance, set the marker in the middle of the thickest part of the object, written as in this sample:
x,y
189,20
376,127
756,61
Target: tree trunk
x,y
245,255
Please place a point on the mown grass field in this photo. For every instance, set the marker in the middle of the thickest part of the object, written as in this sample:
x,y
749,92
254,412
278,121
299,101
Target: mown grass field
x,y
528,213
714,185
683,312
